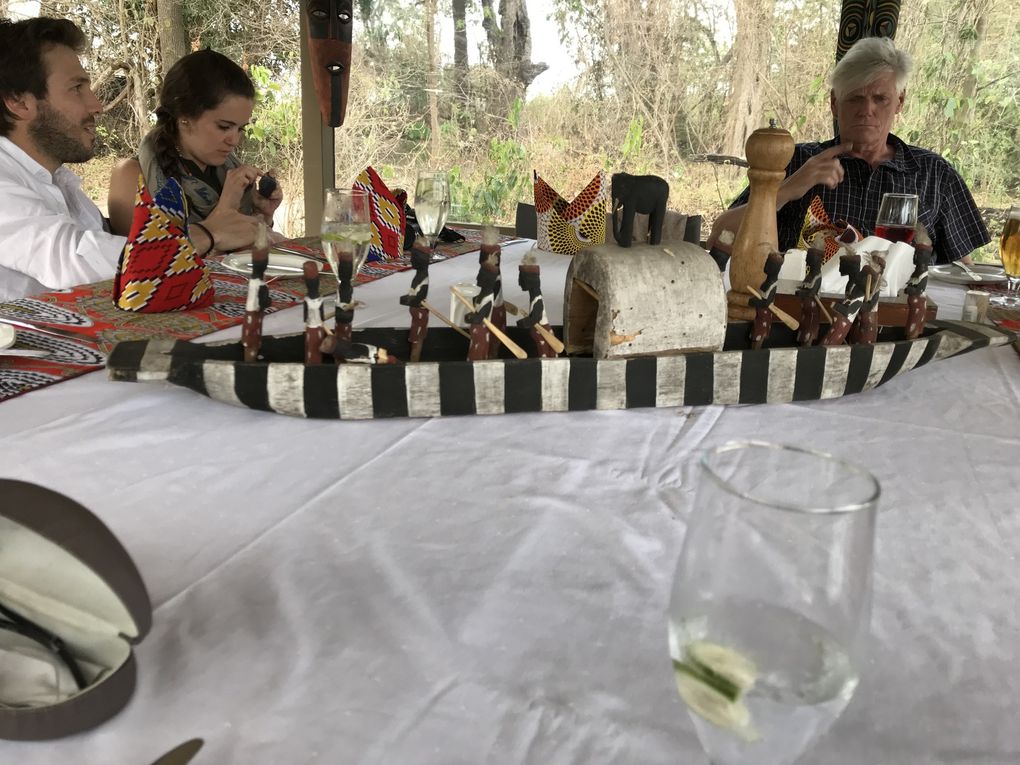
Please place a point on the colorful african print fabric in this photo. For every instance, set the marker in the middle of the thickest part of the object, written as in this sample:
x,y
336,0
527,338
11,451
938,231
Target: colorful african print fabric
x,y
568,227
816,220
388,219
159,269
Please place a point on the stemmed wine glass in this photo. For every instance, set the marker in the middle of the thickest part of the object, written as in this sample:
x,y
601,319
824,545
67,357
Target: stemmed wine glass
x,y
897,217
432,205
1009,251
346,234
772,598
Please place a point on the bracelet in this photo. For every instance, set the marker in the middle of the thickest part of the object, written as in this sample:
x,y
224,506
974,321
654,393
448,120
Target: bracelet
x,y
208,233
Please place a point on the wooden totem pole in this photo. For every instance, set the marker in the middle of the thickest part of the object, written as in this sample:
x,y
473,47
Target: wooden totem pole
x,y
768,151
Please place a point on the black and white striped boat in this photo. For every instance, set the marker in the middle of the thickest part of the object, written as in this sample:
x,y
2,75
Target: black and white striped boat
x,y
446,384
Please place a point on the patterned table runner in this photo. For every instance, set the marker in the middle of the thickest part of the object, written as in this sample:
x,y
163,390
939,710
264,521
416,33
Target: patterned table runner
x,y
88,312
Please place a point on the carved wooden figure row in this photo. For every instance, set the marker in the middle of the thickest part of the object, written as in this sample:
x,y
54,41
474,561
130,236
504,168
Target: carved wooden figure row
x,y
853,319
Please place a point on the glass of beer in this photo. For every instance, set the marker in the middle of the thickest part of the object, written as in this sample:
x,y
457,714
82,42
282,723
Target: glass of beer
x,y
897,217
1009,251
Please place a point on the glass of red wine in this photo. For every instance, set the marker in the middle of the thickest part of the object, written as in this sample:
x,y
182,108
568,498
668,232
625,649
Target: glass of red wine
x,y
897,217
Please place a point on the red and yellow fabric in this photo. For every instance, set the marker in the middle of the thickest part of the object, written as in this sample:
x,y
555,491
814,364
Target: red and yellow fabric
x,y
159,269
388,216
568,227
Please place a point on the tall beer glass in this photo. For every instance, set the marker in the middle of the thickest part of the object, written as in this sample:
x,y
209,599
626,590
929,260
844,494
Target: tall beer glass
x,y
1009,251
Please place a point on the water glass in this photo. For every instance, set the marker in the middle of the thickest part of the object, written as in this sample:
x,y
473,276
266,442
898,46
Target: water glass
x,y
772,597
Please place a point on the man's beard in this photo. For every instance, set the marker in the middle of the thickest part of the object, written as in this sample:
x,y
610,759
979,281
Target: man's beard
x,y
55,135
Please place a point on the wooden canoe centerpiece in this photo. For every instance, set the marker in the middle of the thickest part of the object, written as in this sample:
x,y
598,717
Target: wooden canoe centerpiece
x,y
769,150
644,327
647,299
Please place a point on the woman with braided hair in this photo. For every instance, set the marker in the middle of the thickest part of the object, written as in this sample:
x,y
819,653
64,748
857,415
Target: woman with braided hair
x,y
204,105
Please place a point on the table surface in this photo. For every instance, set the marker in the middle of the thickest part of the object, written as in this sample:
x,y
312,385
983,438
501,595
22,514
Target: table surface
x,y
494,589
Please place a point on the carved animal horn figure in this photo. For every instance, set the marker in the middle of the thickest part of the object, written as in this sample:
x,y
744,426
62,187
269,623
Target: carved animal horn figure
x,y
330,24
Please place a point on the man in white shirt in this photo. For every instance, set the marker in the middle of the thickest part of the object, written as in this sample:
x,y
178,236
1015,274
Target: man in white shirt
x,y
52,236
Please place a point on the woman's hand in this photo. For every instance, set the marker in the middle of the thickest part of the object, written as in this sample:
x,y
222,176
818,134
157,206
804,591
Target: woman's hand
x,y
231,230
236,183
267,205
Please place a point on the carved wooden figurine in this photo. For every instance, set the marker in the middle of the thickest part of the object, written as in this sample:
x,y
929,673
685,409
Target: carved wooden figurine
x,y
644,194
491,252
845,312
722,249
315,331
917,285
810,308
258,295
421,257
768,151
530,280
480,335
763,305
865,329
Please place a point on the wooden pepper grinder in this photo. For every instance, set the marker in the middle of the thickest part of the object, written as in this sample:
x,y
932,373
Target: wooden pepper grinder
x,y
769,150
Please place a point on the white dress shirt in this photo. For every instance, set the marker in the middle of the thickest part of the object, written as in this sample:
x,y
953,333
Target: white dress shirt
x,y
51,233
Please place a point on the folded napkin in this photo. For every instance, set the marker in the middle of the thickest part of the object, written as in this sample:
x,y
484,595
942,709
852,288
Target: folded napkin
x,y
159,269
388,219
794,265
838,233
568,227
899,262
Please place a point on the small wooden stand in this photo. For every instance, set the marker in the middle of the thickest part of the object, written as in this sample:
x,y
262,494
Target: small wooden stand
x,y
768,151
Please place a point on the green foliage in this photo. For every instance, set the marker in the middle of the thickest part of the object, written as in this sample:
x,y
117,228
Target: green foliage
x,y
504,181
632,143
277,117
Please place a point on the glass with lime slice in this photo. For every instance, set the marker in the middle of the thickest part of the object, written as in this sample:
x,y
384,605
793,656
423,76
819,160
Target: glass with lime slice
x,y
346,235
771,601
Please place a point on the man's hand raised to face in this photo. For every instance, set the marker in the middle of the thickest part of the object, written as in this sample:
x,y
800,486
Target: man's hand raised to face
x,y
822,169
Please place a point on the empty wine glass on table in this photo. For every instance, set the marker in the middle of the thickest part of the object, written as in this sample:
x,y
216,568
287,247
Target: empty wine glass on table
x,y
772,597
897,217
346,235
432,205
1009,251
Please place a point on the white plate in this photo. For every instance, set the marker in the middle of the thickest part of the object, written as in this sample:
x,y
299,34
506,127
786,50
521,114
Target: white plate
x,y
7,335
280,263
950,273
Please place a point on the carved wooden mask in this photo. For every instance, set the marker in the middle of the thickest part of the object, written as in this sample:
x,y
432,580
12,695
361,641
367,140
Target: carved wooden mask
x,y
330,23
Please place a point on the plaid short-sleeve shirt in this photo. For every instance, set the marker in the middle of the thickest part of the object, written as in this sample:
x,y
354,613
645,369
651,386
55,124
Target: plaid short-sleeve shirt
x,y
946,207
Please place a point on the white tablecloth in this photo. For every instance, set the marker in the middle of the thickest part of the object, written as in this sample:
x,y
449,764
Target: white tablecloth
x,y
494,589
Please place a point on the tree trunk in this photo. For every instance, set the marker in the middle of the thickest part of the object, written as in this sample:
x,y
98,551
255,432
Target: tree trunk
x,y
976,11
510,41
433,78
750,72
173,38
460,42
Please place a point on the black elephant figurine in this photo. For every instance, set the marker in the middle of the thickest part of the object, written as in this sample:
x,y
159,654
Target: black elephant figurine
x,y
645,194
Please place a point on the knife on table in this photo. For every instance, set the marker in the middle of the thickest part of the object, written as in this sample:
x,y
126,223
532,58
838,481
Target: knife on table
x,y
182,754
45,330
